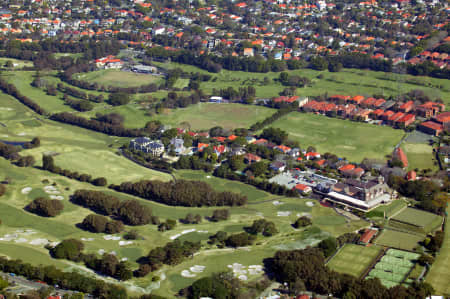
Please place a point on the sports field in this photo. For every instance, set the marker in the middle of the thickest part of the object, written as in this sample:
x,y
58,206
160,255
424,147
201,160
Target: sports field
x,y
420,156
118,78
387,210
346,82
354,259
439,275
204,116
393,267
397,239
352,140
425,220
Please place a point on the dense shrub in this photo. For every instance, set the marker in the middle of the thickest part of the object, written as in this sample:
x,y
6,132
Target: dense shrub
x,y
101,224
45,207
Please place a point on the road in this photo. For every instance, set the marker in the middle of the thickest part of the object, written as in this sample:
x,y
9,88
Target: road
x,y
20,285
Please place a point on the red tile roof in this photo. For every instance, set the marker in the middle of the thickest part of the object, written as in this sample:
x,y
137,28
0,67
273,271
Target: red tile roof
x,y
368,235
400,154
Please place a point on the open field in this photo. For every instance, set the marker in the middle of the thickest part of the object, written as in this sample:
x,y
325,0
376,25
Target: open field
x,y
439,275
397,239
352,140
422,219
118,78
204,116
77,149
17,62
354,259
347,82
419,151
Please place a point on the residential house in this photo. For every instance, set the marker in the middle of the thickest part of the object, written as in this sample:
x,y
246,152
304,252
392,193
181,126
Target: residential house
x,y
400,155
178,145
146,145
431,127
278,166
312,155
406,107
429,109
303,189
250,158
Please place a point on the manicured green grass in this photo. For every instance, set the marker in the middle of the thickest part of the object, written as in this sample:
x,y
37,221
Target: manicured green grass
x,y
439,275
420,218
420,156
387,210
346,82
118,78
352,140
397,239
22,80
204,116
181,83
20,63
29,255
354,259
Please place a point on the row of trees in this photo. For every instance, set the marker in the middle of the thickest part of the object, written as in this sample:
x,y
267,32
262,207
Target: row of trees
x,y
13,91
130,212
66,280
108,264
95,125
48,164
267,121
181,193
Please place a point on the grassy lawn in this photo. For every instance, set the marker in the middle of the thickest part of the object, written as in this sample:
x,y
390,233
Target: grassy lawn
x,y
420,156
22,80
207,115
387,210
118,78
19,63
439,275
347,82
353,259
345,138
396,239
428,221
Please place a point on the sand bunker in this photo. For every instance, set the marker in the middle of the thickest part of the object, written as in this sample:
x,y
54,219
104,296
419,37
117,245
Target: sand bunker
x,y
187,231
26,190
304,215
21,134
124,259
87,239
283,213
187,274
277,203
125,243
202,231
58,197
101,251
38,242
240,271
21,240
111,237
242,277
310,204
197,269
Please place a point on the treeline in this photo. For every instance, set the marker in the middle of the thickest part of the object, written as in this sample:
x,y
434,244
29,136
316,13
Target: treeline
x,y
181,193
95,125
108,264
173,253
227,173
173,100
130,212
45,207
13,91
49,165
11,153
427,193
269,120
306,270
243,93
66,280
79,94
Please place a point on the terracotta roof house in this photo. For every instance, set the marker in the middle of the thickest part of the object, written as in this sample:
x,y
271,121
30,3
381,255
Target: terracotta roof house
x,y
312,155
303,189
406,107
431,127
367,236
443,118
411,175
405,120
250,158
400,155
429,109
